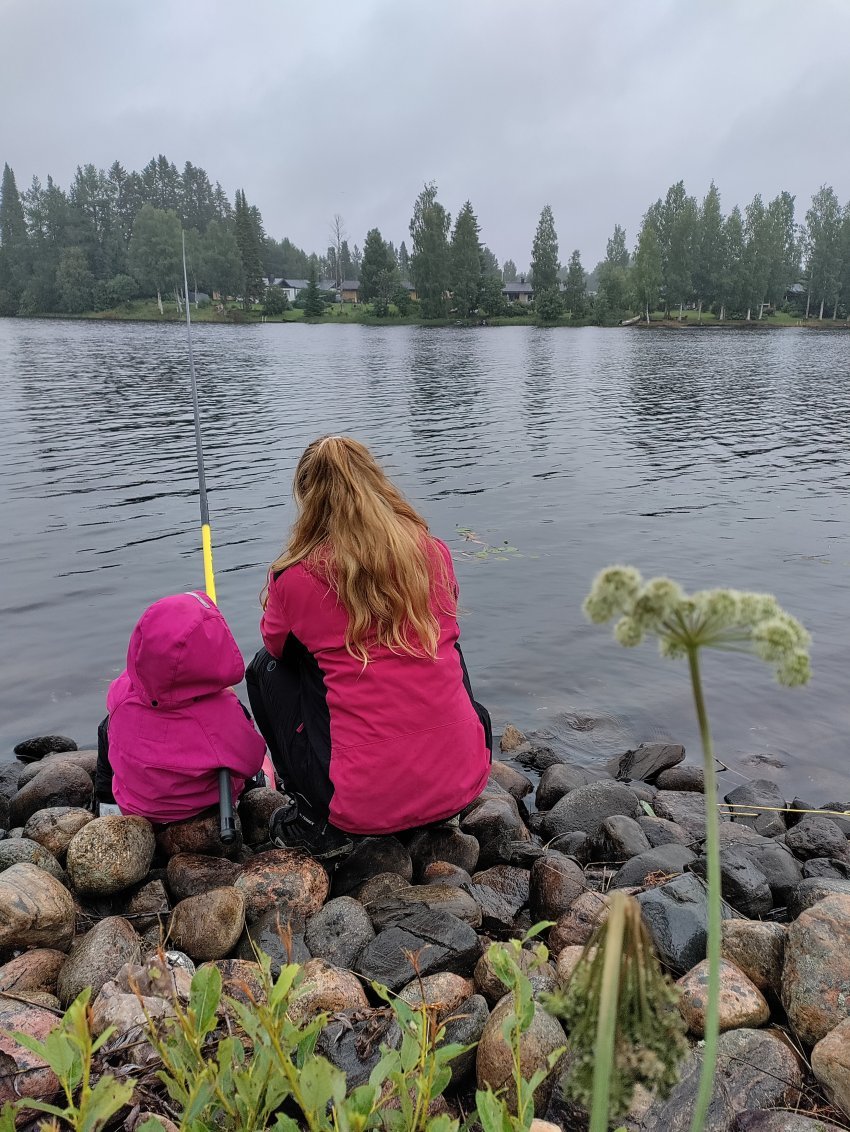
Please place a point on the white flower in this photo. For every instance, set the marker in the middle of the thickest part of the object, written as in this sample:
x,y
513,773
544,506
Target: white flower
x,y
612,592
628,632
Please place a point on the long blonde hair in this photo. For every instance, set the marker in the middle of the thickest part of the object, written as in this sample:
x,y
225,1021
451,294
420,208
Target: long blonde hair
x,y
357,532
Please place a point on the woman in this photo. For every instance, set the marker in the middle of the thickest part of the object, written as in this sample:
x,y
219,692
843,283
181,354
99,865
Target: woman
x,y
361,691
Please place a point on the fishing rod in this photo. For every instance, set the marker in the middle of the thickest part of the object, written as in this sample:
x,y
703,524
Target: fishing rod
x,y
226,819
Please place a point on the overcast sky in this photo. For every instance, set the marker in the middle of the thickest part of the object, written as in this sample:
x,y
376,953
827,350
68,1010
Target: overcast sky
x,y
324,106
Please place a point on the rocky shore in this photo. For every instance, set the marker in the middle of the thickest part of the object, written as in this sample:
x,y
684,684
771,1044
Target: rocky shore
x,y
87,902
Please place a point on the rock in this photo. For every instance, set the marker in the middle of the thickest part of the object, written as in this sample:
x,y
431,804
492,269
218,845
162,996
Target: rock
x,y
442,992
536,757
24,1072
556,881
200,834
126,1012
815,836
494,1062
755,1069
659,831
647,762
282,878
496,913
86,760
339,931
190,874
97,957
810,892
578,924
688,778
511,739
208,926
353,1041
30,750
377,887
577,845
559,780
743,885
675,915
35,970
831,1065
781,871
684,808
816,974
157,1120
281,939
622,838
441,872
761,792
465,1027
754,1120
444,943
439,897
255,808
368,858
443,843
326,989
838,812
587,807
568,960
148,907
495,823
826,867
56,784
167,975
110,854
542,976
512,780
20,851
509,882
643,792
35,910
741,1002
731,833
53,828
240,979
757,949
665,861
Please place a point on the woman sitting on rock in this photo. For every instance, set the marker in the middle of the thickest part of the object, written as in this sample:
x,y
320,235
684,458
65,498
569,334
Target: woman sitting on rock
x,y
174,719
361,690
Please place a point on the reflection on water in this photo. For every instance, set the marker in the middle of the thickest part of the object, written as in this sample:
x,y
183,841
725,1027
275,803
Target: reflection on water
x,y
719,458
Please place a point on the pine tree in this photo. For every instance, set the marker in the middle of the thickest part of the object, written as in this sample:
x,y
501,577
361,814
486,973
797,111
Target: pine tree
x,y
575,290
430,259
708,266
378,272
616,252
404,261
14,244
509,272
490,268
248,228
313,305
465,282
544,253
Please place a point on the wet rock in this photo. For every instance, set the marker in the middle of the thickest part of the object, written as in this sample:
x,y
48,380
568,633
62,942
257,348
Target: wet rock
x,y
29,750
110,854
495,823
659,831
56,784
622,838
326,990
35,910
443,992
838,812
831,1065
126,1012
755,1120
443,843
339,931
444,943
512,739
827,867
496,913
282,878
556,881
761,792
536,757
782,872
675,915
577,845
579,922
511,883
815,836
438,897
741,1003
97,957
19,1064
743,885
353,1039
255,808
190,874
280,938
666,860
795,810
757,949
441,872
512,780
35,970
684,808
587,807
377,887
647,762
465,1027
559,780
643,792
731,833
688,778
809,892
755,1069
200,834
20,851
208,926
816,973
369,857
54,828
86,760
148,907
541,975
494,1062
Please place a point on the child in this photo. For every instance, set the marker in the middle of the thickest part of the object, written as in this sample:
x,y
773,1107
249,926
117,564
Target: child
x,y
174,719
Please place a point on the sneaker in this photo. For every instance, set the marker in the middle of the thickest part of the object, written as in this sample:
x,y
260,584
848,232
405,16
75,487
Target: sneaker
x,y
291,828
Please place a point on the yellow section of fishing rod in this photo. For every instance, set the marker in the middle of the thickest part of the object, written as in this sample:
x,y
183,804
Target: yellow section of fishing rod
x,y
209,576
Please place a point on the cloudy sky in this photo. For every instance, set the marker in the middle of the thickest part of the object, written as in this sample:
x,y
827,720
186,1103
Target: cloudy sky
x,y
324,106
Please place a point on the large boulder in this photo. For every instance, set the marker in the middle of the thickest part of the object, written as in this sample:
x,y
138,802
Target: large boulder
x,y
559,780
758,949
622,838
587,807
57,784
685,809
760,805
368,858
208,926
556,881
443,843
511,883
339,931
816,974
255,809
280,938
676,917
20,850
442,941
511,779
31,750
741,1003
660,831
201,834
97,957
811,891
191,874
744,886
35,970
647,762
666,861
110,854
689,778
781,871
438,897
24,1072
36,910
816,836
495,823
326,990
494,1061
831,1065
54,828
354,1040
282,878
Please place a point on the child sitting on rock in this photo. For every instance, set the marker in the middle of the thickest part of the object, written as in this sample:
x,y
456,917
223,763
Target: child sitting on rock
x,y
174,719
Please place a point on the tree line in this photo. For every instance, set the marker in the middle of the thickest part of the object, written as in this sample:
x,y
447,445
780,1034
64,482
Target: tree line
x,y
115,235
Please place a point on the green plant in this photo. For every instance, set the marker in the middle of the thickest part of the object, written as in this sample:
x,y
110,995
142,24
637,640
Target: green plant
x,y
684,625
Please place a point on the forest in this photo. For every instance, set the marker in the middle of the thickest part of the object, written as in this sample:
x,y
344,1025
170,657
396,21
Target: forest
x,y
114,236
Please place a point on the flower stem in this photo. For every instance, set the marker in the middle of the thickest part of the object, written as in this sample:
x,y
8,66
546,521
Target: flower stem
x,y
712,849
606,1029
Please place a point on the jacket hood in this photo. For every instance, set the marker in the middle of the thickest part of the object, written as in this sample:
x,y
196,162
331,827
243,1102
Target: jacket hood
x,y
182,648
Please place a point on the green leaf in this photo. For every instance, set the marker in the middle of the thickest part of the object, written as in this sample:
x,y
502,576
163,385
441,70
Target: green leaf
x,y
647,809
7,1118
321,1083
284,1124
204,998
492,1112
442,1124
148,1126
106,1098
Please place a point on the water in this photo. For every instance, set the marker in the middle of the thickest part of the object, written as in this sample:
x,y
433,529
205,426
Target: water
x,y
719,458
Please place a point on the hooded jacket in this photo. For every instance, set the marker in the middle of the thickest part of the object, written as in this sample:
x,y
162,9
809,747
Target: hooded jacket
x,y
173,719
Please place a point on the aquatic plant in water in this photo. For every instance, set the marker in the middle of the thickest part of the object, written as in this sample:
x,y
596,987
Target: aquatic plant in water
x,y
684,624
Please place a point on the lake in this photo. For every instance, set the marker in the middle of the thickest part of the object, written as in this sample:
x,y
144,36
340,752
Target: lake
x,y
719,458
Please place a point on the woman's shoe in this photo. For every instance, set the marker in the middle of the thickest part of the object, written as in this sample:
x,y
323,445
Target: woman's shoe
x,y
291,828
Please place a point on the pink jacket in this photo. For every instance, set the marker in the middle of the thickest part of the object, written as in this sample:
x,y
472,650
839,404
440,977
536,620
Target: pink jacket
x,y
173,718
402,739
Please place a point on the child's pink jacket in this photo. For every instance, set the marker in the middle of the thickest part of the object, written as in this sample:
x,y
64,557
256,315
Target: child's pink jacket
x,y
173,719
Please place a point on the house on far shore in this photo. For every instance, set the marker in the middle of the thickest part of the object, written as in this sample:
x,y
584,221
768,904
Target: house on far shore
x,y
350,291
411,290
290,287
518,291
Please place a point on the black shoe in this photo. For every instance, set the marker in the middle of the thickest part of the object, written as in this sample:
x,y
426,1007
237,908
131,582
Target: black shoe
x,y
291,828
